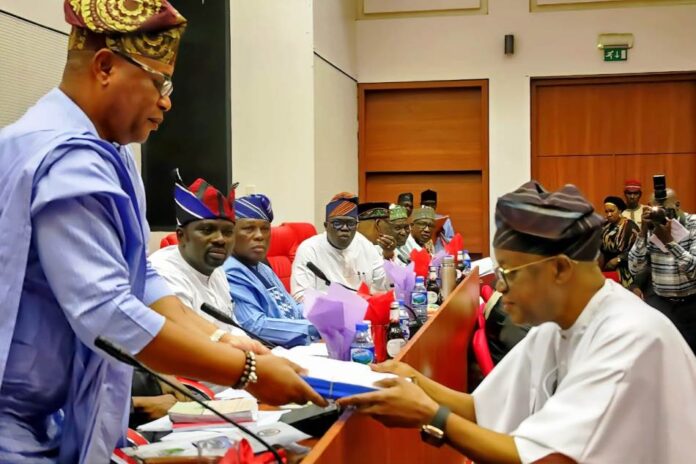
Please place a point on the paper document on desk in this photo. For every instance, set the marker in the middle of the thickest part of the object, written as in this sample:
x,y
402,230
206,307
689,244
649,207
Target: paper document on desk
x,y
335,379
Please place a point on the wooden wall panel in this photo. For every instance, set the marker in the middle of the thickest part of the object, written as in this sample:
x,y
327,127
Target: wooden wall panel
x,y
423,129
621,117
459,194
419,135
592,174
597,132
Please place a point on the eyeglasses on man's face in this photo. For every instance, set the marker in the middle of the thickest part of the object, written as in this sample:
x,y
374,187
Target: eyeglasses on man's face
x,y
502,275
164,83
424,224
339,224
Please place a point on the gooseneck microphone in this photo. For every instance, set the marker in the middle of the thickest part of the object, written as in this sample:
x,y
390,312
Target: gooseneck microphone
x,y
117,353
225,318
320,274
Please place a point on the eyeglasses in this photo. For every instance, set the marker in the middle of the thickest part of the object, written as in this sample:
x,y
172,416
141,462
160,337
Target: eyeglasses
x,y
165,86
502,274
424,224
348,225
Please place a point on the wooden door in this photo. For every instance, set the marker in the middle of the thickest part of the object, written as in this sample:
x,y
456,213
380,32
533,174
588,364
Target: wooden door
x,y
428,135
598,132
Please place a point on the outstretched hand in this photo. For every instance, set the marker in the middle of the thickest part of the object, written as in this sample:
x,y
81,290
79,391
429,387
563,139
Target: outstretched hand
x,y
400,403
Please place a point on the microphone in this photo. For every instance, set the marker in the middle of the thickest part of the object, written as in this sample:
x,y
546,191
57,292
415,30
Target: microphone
x,y
117,353
225,318
318,272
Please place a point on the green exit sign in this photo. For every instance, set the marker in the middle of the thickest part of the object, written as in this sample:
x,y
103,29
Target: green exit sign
x,y
615,54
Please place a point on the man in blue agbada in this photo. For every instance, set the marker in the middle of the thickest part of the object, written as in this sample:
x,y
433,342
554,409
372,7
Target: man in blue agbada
x,y
262,305
73,241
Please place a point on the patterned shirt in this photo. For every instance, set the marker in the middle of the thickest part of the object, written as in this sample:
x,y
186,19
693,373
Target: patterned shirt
x,y
673,272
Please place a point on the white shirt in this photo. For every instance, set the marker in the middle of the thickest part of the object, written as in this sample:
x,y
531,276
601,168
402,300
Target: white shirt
x,y
626,387
359,262
192,287
635,215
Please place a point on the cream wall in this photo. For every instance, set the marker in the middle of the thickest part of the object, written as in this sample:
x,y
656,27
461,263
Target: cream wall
x,y
45,12
546,44
273,103
335,102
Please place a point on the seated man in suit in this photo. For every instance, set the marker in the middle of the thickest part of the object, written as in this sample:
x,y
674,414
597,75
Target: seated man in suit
x,y
262,305
341,254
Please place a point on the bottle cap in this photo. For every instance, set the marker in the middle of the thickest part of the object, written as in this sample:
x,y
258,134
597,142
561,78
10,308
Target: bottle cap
x,y
419,279
361,327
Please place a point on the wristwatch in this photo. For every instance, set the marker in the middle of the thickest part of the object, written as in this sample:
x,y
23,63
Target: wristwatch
x,y
434,432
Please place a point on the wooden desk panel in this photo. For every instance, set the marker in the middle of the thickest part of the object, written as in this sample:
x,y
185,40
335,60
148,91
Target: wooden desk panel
x,y
439,350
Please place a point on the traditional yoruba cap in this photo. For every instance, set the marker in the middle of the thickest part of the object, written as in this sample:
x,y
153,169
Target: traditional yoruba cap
x,y
424,212
397,212
254,206
616,201
632,185
201,201
149,28
342,204
406,196
532,220
368,211
428,195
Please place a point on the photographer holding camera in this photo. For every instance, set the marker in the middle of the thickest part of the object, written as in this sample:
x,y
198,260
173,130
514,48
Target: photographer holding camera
x,y
666,246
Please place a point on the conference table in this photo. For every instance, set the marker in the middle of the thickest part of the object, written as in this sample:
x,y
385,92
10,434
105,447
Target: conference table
x,y
439,350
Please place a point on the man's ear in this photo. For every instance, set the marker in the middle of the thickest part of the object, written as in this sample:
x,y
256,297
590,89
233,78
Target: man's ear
x,y
103,66
180,234
564,268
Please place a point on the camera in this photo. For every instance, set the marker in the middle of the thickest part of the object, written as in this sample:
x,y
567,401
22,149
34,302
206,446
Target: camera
x,y
657,213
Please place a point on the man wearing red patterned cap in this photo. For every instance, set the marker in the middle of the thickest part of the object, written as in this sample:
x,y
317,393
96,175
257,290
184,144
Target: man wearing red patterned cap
x,y
340,254
73,250
633,192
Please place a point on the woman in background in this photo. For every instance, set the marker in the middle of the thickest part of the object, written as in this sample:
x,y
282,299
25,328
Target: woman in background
x,y
618,236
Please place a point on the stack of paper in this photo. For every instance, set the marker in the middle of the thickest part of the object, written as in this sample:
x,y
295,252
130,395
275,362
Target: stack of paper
x,y
238,410
332,378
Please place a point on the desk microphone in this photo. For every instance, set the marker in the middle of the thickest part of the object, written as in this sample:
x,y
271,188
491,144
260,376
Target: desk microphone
x,y
320,274
225,318
117,353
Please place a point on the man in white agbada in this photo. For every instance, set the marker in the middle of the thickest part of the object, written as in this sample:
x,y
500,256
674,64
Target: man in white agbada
x,y
603,378
340,253
193,267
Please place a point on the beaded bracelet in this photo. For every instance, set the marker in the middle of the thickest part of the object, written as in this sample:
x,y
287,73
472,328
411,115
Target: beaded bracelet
x,y
249,373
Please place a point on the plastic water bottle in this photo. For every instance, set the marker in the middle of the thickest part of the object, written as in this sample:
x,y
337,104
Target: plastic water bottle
x,y
419,300
403,320
362,349
467,262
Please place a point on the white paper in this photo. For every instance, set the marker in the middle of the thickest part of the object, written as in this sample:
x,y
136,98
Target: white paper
x,y
315,349
332,370
163,424
485,266
679,233
231,394
269,417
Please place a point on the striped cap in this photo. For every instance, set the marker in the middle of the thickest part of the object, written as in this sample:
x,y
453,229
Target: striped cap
x,y
201,200
342,204
533,220
254,206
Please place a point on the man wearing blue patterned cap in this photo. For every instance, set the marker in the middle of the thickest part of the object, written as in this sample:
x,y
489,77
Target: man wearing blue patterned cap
x,y
261,303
